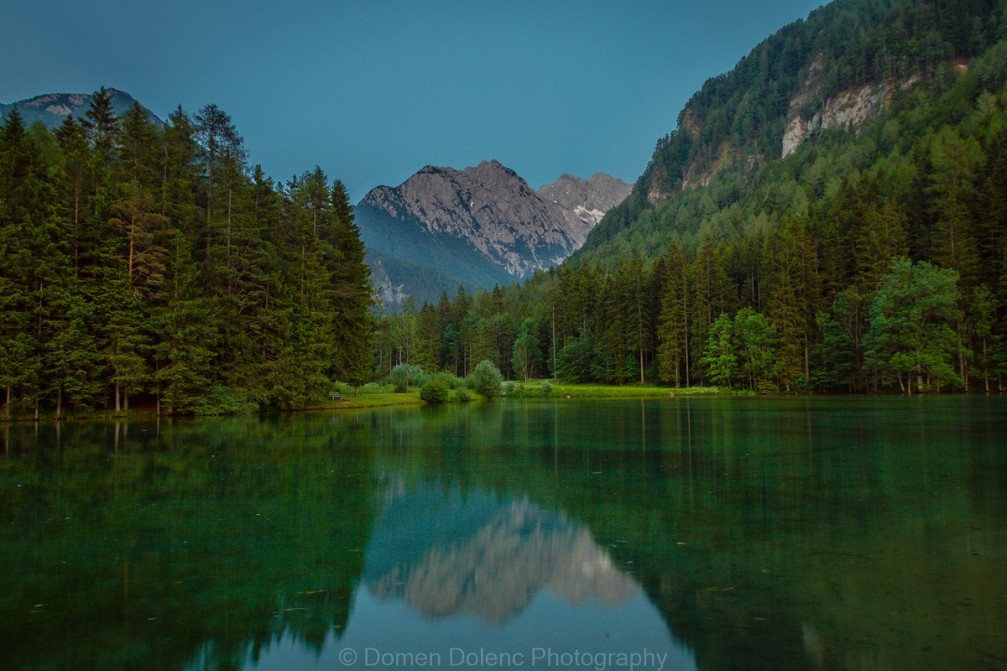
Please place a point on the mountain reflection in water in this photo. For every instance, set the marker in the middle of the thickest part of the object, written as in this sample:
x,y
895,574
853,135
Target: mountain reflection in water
x,y
447,554
454,574
828,533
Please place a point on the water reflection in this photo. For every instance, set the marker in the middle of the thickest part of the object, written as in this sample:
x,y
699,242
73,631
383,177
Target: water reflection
x,y
808,533
468,578
447,554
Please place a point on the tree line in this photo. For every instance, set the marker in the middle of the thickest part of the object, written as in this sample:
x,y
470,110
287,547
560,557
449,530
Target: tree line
x,y
149,263
893,278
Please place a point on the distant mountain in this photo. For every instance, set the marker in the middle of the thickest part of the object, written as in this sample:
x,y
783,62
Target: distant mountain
x,y
480,227
588,200
52,108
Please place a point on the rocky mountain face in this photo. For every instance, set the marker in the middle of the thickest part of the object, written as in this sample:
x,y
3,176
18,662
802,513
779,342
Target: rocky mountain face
x,y
52,108
847,109
479,227
585,202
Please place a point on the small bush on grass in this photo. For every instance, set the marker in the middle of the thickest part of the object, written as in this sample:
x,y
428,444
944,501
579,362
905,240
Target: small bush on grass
x,y
486,379
437,390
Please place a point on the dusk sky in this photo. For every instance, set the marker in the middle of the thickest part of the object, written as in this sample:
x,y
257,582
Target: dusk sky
x,y
373,90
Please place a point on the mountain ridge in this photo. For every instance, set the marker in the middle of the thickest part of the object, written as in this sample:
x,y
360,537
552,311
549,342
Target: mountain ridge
x,y
482,225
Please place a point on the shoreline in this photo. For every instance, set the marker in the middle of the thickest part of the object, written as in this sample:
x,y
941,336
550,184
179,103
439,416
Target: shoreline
x,y
532,389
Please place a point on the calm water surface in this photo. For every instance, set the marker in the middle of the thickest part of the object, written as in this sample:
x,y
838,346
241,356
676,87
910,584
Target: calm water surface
x,y
834,533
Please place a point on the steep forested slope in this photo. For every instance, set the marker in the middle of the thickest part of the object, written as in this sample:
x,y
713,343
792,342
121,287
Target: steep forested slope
x,y
831,215
847,63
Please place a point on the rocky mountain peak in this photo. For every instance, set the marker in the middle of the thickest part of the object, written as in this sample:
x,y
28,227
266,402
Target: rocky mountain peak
x,y
489,208
585,202
483,224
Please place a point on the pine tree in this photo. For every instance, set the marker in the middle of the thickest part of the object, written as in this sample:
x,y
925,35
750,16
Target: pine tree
x,y
351,279
955,165
30,273
755,344
613,350
955,162
710,298
102,126
575,361
74,176
792,290
72,358
673,333
984,308
222,152
426,353
842,349
138,148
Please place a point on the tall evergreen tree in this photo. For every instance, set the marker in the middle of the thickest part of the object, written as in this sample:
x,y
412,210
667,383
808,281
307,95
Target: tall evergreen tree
x,y
102,125
673,333
792,292
74,175
352,292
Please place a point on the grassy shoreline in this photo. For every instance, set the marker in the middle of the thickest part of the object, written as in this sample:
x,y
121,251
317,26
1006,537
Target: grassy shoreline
x,y
542,389
548,389
379,400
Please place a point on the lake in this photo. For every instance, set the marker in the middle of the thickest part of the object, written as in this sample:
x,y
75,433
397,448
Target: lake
x,y
818,533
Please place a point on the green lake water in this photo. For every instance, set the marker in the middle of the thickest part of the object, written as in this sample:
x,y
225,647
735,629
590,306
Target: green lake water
x,y
821,533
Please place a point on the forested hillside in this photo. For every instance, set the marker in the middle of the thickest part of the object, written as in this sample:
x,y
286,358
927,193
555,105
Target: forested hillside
x,y
150,264
830,215
721,166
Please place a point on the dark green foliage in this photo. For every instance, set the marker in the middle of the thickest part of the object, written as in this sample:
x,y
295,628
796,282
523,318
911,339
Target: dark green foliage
x,y
575,362
673,321
742,115
912,336
102,125
151,265
841,350
526,360
437,390
719,354
225,401
145,264
756,344
405,375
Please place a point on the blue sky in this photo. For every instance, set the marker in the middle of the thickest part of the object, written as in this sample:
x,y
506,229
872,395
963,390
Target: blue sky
x,y
373,90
